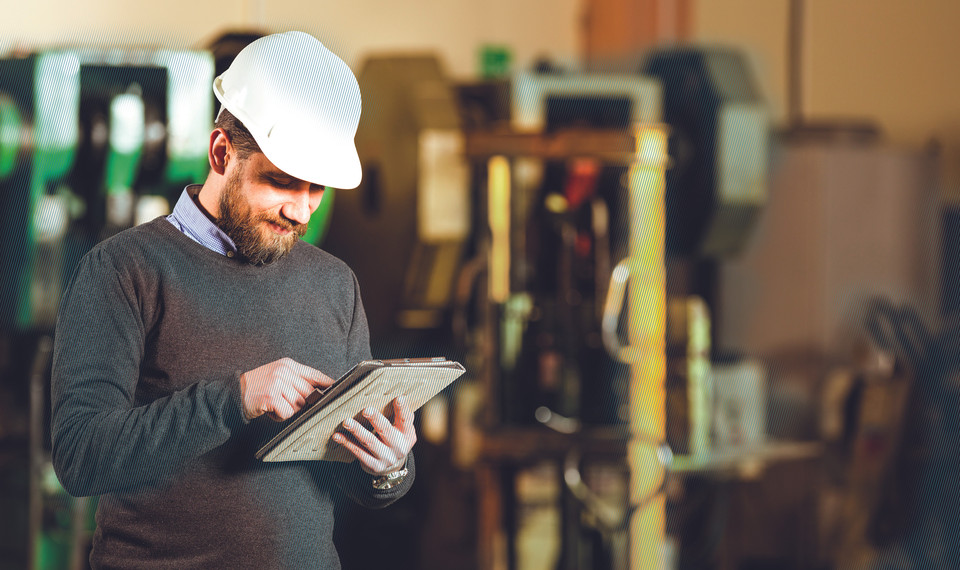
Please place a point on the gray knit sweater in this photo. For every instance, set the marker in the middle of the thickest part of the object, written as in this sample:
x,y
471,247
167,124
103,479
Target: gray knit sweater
x,y
153,333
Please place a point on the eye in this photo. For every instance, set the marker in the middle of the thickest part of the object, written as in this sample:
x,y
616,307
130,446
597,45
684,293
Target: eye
x,y
279,182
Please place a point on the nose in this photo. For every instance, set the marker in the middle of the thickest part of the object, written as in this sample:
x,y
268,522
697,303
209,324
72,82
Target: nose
x,y
297,208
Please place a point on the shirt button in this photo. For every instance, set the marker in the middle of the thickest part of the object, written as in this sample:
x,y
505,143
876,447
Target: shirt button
x,y
229,254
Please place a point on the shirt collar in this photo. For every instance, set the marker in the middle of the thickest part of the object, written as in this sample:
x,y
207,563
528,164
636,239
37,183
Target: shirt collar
x,y
194,223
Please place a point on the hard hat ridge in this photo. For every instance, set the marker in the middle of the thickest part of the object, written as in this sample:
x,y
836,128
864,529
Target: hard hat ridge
x,y
301,103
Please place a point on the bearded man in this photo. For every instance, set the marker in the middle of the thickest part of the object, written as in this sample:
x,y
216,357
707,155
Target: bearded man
x,y
178,342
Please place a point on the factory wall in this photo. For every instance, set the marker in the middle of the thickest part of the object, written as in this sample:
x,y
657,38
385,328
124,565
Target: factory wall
x,y
891,61
455,30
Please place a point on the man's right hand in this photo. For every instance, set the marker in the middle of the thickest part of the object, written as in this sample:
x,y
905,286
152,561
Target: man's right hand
x,y
279,388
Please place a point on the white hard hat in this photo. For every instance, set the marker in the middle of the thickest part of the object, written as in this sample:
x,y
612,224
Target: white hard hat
x,y
301,103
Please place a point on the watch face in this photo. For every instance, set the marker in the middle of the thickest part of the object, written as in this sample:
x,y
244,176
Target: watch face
x,y
389,480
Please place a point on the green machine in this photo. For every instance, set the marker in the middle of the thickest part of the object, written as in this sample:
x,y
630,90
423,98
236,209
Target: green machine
x,y
91,142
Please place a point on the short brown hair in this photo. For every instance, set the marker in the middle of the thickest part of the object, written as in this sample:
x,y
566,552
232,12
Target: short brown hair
x,y
239,136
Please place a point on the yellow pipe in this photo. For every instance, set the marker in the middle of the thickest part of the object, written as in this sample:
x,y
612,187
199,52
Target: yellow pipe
x,y
646,330
498,215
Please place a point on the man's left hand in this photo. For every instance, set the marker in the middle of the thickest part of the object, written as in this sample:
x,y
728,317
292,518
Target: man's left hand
x,y
385,449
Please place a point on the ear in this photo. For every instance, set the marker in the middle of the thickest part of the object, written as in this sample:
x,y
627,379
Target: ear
x,y
218,151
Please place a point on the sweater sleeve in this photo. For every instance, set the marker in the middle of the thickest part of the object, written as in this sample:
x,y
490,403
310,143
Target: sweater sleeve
x,y
102,441
351,478
358,484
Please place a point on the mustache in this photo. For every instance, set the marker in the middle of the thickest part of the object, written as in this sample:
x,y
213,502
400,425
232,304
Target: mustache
x,y
299,229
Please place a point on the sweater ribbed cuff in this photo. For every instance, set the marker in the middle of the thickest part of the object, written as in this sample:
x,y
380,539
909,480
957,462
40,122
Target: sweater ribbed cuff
x,y
236,397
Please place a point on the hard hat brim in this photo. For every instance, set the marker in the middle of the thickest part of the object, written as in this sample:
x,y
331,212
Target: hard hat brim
x,y
323,161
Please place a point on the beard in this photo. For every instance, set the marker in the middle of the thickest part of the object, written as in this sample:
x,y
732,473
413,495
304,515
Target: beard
x,y
256,243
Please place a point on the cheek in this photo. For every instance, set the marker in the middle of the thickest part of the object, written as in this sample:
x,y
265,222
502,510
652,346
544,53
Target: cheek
x,y
264,200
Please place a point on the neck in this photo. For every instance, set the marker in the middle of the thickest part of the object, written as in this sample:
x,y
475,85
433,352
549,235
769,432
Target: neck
x,y
208,199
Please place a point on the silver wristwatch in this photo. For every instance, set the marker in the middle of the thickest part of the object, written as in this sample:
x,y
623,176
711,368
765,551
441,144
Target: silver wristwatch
x,y
390,480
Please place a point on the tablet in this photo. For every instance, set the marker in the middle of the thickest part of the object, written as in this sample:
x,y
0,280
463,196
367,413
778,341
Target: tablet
x,y
371,383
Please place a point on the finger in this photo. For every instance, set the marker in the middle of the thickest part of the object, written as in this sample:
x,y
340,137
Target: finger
x,y
313,376
370,463
319,379
404,419
299,385
293,397
281,409
374,445
380,423
388,434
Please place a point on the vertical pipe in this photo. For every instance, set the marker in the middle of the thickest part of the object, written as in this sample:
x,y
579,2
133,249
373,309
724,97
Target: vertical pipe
x,y
491,553
499,218
38,371
795,63
79,537
646,328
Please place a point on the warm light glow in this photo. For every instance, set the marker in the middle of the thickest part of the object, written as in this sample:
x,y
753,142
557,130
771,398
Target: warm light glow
x,y
652,146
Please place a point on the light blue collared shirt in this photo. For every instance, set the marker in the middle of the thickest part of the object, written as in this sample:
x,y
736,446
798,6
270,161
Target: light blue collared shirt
x,y
189,219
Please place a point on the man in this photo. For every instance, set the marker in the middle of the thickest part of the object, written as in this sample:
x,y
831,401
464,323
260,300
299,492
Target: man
x,y
179,340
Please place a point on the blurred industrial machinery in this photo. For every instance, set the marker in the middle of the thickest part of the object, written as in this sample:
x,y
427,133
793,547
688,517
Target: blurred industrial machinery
x,y
91,142
404,229
95,141
594,245
586,198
